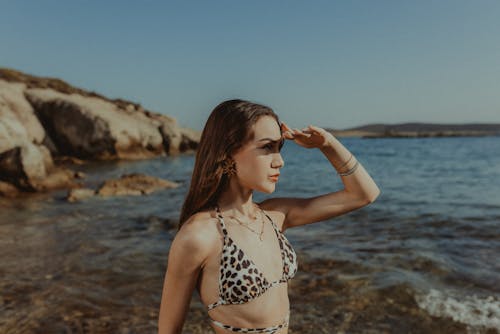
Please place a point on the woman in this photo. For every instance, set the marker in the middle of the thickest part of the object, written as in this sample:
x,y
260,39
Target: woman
x,y
233,250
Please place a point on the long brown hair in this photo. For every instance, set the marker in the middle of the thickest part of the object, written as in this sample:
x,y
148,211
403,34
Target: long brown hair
x,y
226,130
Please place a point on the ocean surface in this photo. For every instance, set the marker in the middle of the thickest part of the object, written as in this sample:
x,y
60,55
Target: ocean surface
x,y
429,244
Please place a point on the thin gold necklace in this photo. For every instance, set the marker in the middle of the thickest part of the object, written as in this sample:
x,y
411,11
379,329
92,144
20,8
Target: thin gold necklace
x,y
246,225
261,234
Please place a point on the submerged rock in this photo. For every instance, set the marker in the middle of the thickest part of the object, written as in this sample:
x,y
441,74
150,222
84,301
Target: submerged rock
x,y
79,194
134,184
128,184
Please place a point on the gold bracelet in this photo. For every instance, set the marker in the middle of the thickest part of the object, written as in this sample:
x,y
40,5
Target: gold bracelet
x,y
345,164
350,171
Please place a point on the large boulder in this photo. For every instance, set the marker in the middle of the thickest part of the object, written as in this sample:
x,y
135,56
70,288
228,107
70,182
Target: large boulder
x,y
29,167
13,105
92,128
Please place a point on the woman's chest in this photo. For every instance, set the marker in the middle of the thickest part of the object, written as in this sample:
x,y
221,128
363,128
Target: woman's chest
x,y
243,260
259,253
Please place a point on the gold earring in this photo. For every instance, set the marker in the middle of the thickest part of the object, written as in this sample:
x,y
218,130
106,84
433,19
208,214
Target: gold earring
x,y
229,167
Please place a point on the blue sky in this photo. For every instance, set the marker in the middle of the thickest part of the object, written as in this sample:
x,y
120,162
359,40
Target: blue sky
x,y
329,63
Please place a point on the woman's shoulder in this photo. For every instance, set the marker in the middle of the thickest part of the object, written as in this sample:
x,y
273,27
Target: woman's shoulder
x,y
194,243
199,231
274,208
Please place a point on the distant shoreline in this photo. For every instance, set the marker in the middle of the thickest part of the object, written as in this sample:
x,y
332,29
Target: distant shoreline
x,y
419,130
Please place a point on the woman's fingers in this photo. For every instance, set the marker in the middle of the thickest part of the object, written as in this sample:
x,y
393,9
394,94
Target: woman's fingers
x,y
305,132
298,132
316,129
307,137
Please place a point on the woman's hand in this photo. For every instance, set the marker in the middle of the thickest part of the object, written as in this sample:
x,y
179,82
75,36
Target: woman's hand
x,y
309,137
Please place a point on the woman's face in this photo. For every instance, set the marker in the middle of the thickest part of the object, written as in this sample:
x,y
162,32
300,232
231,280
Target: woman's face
x,y
260,158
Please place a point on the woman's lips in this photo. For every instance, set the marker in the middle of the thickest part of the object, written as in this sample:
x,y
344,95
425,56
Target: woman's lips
x,y
274,178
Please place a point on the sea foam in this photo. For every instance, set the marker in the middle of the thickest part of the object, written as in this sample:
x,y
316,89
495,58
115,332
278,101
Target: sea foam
x,y
476,312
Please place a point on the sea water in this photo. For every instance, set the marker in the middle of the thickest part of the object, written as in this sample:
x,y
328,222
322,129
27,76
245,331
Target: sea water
x,y
98,265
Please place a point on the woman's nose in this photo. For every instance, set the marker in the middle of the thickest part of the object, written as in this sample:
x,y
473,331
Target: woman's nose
x,y
278,161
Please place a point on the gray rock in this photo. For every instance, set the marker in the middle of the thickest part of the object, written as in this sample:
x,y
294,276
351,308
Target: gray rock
x,y
30,168
92,128
13,105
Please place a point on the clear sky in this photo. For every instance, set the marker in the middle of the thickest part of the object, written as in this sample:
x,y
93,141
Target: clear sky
x,y
330,63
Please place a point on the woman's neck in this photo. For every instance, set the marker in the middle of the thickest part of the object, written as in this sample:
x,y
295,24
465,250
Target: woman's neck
x,y
238,201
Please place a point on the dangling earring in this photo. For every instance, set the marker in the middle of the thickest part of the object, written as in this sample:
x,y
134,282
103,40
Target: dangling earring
x,y
229,167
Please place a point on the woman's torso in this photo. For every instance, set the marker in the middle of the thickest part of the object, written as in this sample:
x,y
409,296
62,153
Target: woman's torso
x,y
265,310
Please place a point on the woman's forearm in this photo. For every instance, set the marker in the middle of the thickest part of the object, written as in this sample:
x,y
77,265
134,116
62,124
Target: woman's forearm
x,y
359,182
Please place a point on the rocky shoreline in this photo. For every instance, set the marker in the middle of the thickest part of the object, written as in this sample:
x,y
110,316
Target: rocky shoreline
x,y
44,121
326,296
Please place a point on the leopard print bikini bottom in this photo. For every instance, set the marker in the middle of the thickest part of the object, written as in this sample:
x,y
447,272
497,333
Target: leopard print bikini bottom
x,y
270,330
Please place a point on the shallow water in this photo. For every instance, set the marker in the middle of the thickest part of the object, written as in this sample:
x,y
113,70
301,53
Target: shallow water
x,y
422,258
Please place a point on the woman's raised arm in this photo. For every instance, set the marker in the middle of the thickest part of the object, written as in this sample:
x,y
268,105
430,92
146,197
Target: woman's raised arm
x,y
188,253
359,188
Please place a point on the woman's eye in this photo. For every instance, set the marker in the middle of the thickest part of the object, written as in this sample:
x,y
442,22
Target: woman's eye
x,y
271,147
267,147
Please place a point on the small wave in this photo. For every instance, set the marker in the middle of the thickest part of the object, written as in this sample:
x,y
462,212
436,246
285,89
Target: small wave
x,y
476,312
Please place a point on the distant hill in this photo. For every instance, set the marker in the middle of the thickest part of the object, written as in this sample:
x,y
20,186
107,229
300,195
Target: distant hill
x,y
413,130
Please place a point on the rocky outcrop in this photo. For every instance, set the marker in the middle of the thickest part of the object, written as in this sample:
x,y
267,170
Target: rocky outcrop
x,y
92,128
43,120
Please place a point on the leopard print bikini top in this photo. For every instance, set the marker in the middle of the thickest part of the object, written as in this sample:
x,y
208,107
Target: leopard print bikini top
x,y
240,280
